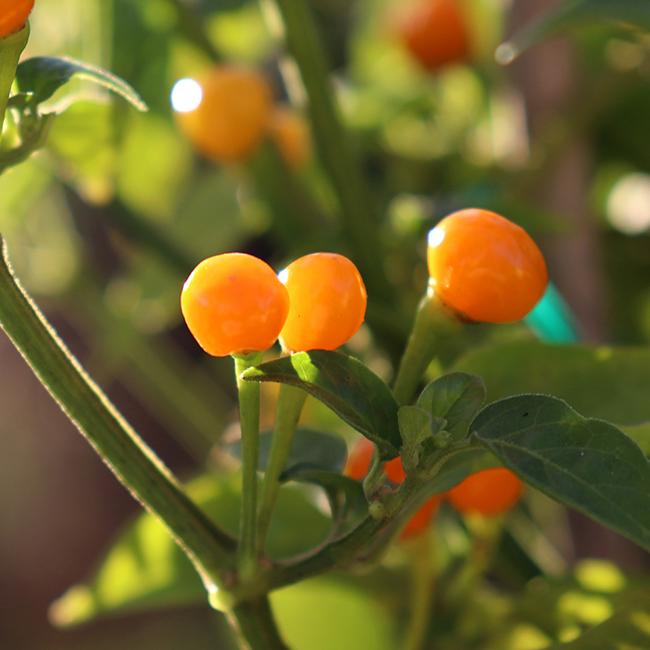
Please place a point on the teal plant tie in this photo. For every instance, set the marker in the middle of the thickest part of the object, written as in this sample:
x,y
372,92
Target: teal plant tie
x,y
551,320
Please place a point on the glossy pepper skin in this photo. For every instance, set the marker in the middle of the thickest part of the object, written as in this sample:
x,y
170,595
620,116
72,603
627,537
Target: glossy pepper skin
x,y
234,304
484,267
490,492
435,32
290,132
232,117
13,15
357,468
328,302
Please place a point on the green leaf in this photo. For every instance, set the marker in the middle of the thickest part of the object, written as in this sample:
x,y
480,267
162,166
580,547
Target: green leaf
x,y
456,397
640,433
612,383
145,569
346,386
316,448
586,463
326,613
422,435
571,13
42,76
345,495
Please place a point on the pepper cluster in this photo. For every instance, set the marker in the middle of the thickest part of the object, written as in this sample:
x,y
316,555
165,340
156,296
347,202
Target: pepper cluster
x,y
482,268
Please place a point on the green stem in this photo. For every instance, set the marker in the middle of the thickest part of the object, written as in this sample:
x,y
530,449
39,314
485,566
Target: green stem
x,y
133,463
11,47
432,325
297,219
375,478
257,630
333,143
249,415
340,553
290,403
486,532
31,142
422,576
193,26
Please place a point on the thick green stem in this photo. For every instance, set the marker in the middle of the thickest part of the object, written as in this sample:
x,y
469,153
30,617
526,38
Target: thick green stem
x,y
256,626
432,324
11,47
290,403
249,416
128,457
334,145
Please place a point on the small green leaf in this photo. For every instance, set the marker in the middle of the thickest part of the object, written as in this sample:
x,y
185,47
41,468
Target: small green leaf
x,y
415,425
145,568
345,495
42,76
611,383
346,386
316,448
587,464
569,14
456,397
421,435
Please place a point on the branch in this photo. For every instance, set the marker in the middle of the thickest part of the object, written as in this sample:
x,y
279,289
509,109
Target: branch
x,y
128,457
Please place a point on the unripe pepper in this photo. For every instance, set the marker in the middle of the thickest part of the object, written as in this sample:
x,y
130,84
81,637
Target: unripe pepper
x,y
230,116
484,267
490,492
435,33
358,466
328,302
13,15
234,304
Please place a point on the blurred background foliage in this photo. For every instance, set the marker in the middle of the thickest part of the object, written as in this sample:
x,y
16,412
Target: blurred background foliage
x,y
106,222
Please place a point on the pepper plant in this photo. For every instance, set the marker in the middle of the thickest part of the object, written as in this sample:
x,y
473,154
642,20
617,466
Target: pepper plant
x,y
428,438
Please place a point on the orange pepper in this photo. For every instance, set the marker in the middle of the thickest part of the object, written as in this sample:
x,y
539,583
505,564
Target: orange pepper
x,y
234,303
484,267
13,15
328,302
231,116
490,492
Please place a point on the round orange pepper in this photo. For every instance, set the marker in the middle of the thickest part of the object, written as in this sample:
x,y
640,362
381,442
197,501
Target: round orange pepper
x,y
13,15
490,492
230,116
328,302
234,304
436,33
484,267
